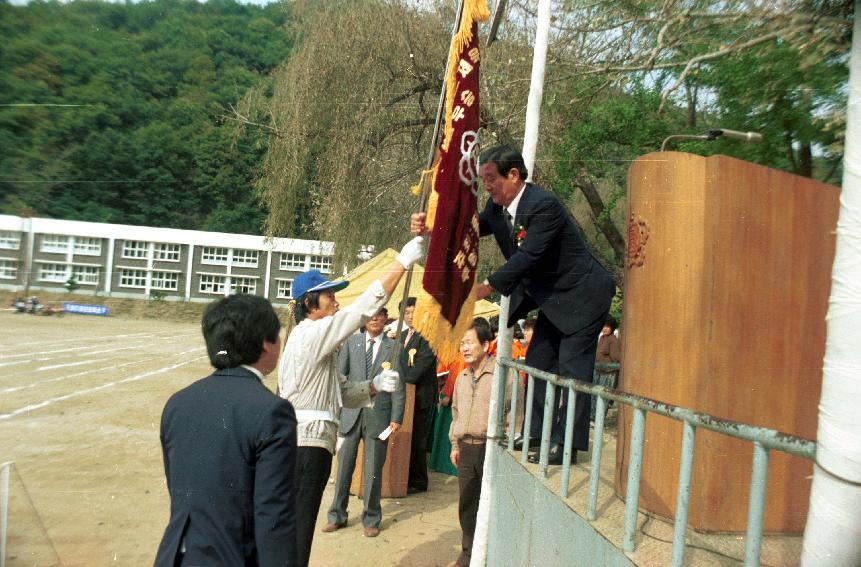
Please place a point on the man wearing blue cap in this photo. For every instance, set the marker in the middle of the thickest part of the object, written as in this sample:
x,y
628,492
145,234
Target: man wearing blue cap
x,y
308,377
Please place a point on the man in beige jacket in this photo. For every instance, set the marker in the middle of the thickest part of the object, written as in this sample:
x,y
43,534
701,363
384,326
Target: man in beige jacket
x,y
468,434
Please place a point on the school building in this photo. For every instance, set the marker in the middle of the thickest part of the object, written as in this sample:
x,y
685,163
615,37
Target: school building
x,y
142,262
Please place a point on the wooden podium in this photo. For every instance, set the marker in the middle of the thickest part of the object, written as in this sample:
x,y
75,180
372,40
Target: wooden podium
x,y
726,289
396,470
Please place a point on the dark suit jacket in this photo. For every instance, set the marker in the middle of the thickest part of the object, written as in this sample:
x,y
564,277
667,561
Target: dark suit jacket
x,y
422,372
229,447
552,269
351,362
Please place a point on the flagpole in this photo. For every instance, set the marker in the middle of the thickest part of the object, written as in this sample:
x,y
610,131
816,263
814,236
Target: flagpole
x,y
501,374
424,195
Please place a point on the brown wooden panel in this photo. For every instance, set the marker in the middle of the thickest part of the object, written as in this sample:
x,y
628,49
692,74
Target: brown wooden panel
x,y
726,315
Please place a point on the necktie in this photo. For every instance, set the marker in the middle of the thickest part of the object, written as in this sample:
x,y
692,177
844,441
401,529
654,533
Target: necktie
x,y
409,336
508,220
369,358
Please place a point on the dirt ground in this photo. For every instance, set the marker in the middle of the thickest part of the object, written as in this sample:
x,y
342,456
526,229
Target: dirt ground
x,y
80,404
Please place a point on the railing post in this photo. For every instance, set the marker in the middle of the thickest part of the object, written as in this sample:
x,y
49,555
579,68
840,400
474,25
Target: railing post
x,y
527,417
5,471
569,439
549,399
597,447
635,462
500,409
682,497
756,505
512,413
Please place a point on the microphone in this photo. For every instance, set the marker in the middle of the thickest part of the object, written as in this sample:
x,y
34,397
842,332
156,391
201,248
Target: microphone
x,y
751,137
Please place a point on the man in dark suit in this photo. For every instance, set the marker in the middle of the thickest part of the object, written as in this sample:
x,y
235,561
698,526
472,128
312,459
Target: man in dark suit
x,y
229,447
418,366
361,358
548,267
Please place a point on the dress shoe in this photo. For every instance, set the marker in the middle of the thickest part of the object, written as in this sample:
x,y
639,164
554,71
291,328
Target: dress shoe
x,y
330,527
416,489
372,532
555,456
533,443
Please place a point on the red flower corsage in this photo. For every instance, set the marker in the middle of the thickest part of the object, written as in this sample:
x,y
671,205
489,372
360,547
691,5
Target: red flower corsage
x,y
519,234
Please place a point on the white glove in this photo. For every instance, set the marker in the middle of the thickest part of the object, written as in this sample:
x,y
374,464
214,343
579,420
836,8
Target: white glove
x,y
386,381
411,253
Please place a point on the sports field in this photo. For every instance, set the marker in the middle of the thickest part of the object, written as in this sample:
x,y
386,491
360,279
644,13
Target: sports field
x,y
80,403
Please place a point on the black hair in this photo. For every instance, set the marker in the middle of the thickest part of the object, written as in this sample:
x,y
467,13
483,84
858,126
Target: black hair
x,y
518,332
529,324
235,327
505,158
309,301
482,330
610,322
494,325
411,302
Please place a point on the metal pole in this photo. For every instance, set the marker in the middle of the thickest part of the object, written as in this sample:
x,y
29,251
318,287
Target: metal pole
x,y
569,439
533,107
512,414
597,447
756,506
546,424
832,535
635,462
5,470
527,416
684,491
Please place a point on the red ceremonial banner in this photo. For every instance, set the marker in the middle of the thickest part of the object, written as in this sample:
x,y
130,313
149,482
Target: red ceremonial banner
x,y
446,311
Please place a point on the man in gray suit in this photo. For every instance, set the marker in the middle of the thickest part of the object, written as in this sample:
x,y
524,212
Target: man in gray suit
x,y
360,359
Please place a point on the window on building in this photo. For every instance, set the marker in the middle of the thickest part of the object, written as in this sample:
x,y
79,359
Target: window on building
x,y
212,284
168,281
8,269
55,243
245,258
88,246
243,285
87,275
212,255
285,289
53,273
134,249
322,263
167,252
10,240
133,278
292,261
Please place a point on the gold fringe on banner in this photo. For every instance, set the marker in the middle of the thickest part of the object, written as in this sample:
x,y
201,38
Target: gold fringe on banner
x,y
443,338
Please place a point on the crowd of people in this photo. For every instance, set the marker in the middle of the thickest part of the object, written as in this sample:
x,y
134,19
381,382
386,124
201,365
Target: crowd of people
x,y
33,306
246,470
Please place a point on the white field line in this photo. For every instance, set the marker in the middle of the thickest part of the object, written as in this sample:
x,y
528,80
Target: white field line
x,y
26,354
85,338
66,365
67,376
91,345
88,353
106,385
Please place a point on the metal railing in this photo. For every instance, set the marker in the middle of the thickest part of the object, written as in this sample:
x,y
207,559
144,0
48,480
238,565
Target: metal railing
x,y
763,440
